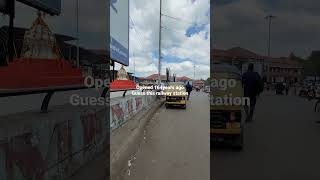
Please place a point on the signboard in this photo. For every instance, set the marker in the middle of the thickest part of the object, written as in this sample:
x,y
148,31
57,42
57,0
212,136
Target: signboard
x,y
119,31
52,7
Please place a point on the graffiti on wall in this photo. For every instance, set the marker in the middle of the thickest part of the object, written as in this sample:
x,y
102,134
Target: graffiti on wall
x,y
23,154
64,147
46,150
92,126
124,109
129,107
138,103
64,142
117,116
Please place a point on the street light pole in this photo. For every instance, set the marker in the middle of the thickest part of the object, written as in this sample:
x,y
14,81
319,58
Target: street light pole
x,y
134,68
269,18
194,71
159,60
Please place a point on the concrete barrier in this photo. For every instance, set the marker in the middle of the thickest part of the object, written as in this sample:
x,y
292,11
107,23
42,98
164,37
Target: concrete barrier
x,y
59,144
124,108
54,145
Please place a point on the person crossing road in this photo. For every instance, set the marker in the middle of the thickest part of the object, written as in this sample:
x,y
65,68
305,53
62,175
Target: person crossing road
x,y
252,86
189,89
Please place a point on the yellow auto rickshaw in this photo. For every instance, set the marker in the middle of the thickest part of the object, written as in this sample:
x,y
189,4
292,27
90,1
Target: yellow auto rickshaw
x,y
176,95
226,118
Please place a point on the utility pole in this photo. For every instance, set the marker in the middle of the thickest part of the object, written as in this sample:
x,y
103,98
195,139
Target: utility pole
x,y
159,60
269,18
134,68
194,71
77,21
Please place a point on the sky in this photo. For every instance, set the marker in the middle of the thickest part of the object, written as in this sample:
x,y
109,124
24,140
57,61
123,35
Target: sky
x,y
185,42
92,21
241,23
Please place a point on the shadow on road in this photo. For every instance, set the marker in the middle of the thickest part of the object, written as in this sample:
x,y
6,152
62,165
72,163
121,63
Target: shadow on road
x,y
222,147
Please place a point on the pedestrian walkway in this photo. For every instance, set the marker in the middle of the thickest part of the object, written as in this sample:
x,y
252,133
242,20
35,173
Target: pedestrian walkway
x,y
175,145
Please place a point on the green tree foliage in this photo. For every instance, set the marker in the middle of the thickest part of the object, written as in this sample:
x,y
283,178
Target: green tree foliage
x,y
207,82
314,62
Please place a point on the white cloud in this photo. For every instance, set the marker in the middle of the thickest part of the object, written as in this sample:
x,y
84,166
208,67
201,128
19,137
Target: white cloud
x,y
190,50
186,68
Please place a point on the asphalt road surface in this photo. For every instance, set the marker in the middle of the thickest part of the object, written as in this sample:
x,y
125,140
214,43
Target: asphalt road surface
x,y
282,142
176,144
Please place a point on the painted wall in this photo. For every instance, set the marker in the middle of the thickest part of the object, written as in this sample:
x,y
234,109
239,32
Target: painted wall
x,y
53,145
124,108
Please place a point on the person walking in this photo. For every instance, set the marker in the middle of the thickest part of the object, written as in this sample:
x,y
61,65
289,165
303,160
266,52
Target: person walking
x,y
189,89
252,85
287,88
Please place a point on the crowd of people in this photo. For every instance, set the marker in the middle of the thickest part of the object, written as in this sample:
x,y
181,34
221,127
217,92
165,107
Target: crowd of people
x,y
254,85
298,89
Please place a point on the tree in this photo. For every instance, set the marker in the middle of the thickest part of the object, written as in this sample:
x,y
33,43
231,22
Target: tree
x,y
207,82
314,62
292,56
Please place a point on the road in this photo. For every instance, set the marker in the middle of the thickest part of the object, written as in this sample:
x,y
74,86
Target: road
x,y
176,144
283,142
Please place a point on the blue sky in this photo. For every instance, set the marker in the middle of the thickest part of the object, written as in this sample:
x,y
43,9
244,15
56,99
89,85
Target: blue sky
x,y
194,29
